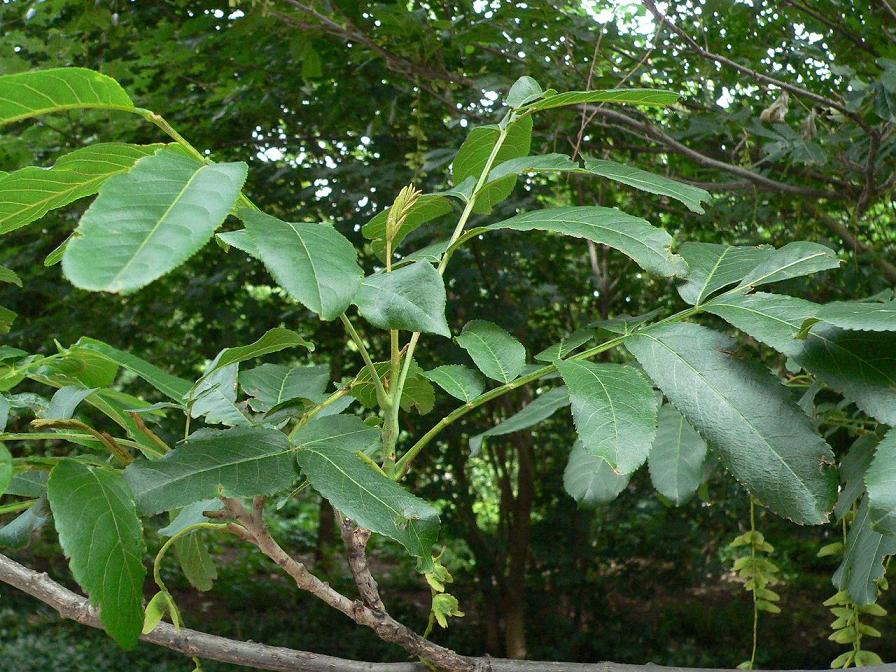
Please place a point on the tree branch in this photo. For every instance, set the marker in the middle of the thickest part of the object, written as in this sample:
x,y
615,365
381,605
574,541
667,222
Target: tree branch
x,y
657,135
754,74
386,627
349,32
280,659
355,539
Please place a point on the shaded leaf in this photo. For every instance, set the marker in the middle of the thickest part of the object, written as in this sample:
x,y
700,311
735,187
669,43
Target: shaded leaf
x,y
195,561
567,345
524,90
614,409
852,473
365,495
411,298
273,340
236,462
417,393
149,220
273,384
540,408
648,245
65,400
494,351
791,261
880,480
101,535
712,267
590,480
314,263
473,155
677,457
28,194
862,567
690,196
171,386
457,380
748,419
18,532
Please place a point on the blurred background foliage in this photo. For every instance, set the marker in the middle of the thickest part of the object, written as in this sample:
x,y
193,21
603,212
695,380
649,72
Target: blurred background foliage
x,y
336,105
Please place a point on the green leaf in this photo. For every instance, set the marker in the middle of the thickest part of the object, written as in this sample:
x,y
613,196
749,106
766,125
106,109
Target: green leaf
x,y
863,566
748,419
314,263
28,194
792,261
65,400
410,298
214,398
272,384
338,432
868,659
473,155
567,345
7,317
652,97
773,319
690,196
149,220
545,163
712,267
880,481
156,609
241,240
457,380
524,90
859,365
193,557
859,315
853,468
427,208
18,532
118,407
80,366
31,94
649,246
497,354
56,255
9,276
590,480
171,386
365,495
540,408
191,514
418,391
614,409
101,535
236,462
5,468
273,340
677,457
28,484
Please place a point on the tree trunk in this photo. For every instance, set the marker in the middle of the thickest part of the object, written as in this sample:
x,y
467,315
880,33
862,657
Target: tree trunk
x,y
518,549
